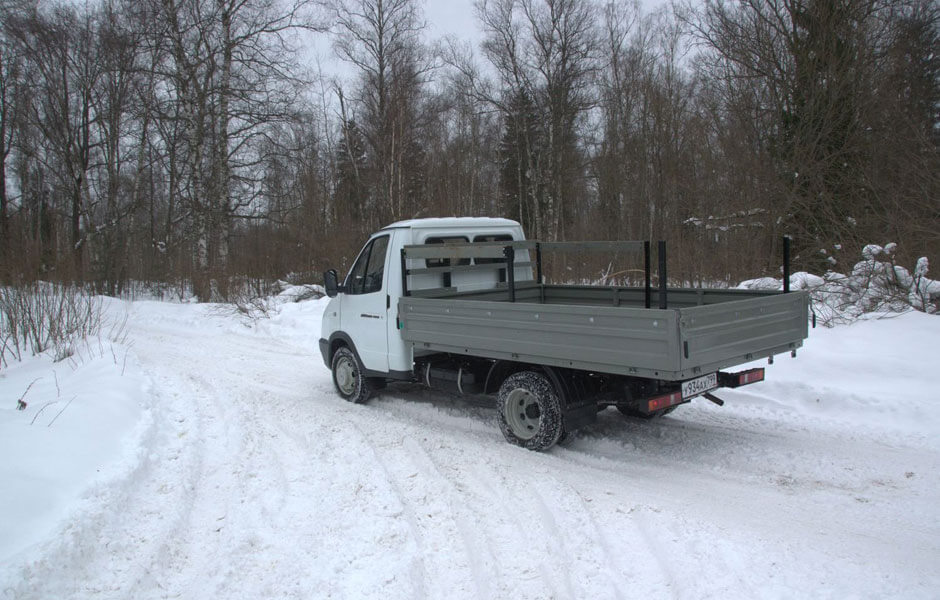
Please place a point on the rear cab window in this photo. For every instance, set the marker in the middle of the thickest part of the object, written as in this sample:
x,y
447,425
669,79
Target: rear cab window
x,y
445,262
496,237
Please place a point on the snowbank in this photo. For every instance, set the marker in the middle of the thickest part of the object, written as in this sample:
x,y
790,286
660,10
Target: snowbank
x,y
81,426
877,374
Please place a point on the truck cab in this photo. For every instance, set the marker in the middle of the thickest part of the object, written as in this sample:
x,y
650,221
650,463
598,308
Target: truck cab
x,y
363,315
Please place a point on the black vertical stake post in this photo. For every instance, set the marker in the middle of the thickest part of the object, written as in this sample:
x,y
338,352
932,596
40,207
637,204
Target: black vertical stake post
x,y
404,275
786,264
661,251
538,263
646,269
510,255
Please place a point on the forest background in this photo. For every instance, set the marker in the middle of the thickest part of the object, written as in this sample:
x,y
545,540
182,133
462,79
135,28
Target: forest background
x,y
192,145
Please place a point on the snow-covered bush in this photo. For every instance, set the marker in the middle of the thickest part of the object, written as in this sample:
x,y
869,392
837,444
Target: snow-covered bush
x,y
253,305
298,292
876,284
40,316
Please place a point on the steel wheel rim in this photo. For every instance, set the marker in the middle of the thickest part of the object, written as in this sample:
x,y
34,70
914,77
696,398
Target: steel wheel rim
x,y
346,376
522,414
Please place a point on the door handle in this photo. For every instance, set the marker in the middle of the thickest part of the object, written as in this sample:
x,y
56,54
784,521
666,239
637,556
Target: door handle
x,y
368,316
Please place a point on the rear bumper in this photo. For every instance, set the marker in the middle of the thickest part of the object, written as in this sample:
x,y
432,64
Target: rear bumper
x,y
678,396
325,351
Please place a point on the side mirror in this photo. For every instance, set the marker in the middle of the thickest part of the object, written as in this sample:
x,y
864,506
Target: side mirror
x,y
329,283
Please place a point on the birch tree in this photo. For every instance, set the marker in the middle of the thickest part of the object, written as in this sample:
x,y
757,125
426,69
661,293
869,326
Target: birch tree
x,y
544,51
381,39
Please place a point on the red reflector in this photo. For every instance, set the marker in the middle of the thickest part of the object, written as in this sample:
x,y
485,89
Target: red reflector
x,y
661,402
751,376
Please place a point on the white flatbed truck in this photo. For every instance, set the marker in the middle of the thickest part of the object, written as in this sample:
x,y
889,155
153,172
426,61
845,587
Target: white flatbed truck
x,y
435,301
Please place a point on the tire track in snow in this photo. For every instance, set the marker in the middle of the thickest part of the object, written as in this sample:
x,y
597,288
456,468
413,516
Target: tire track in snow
x,y
571,523
732,500
238,467
587,539
251,474
475,526
504,503
569,527
474,543
419,571
363,495
520,494
511,554
500,509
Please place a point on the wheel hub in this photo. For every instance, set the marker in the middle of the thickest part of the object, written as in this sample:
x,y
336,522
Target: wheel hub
x,y
346,376
522,414
532,411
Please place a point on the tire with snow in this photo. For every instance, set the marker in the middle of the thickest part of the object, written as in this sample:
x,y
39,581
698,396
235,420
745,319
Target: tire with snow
x,y
348,378
529,411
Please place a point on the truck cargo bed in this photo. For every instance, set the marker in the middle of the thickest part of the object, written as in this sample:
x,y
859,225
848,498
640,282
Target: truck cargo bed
x,y
608,329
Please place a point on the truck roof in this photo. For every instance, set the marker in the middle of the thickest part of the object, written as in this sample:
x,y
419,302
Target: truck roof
x,y
449,222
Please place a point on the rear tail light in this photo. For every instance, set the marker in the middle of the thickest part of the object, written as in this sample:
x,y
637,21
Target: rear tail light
x,y
733,380
750,376
665,401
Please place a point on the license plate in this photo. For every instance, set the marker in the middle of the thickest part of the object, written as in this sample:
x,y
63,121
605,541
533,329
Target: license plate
x,y
700,385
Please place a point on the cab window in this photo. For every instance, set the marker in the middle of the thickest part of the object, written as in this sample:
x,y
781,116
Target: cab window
x,y
445,262
500,237
366,275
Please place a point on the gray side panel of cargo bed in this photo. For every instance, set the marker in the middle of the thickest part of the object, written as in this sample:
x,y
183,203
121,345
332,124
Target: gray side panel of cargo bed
x,y
742,330
629,341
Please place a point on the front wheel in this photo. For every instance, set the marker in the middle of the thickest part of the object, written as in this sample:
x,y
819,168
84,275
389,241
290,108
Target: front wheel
x,y
348,377
529,411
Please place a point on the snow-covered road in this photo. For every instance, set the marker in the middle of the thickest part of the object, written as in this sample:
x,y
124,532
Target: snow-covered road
x,y
254,480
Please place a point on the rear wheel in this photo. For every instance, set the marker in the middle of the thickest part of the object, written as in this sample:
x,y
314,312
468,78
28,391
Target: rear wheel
x,y
348,377
529,411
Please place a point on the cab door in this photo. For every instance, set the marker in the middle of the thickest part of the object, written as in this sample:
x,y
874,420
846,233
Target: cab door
x,y
364,315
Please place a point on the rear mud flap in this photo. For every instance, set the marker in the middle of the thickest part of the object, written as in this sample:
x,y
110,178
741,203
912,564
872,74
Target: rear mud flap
x,y
579,416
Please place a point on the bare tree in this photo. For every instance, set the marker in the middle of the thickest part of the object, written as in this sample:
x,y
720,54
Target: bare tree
x,y
113,203
381,38
544,52
230,66
812,72
9,80
63,74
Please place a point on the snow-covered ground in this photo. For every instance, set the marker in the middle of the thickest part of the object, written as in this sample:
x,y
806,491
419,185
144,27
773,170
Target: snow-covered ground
x,y
204,458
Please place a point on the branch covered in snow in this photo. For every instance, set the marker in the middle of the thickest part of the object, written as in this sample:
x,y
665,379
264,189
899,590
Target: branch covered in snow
x,y
876,284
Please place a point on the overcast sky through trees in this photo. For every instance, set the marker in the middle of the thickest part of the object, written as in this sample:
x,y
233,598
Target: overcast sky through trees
x,y
444,18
